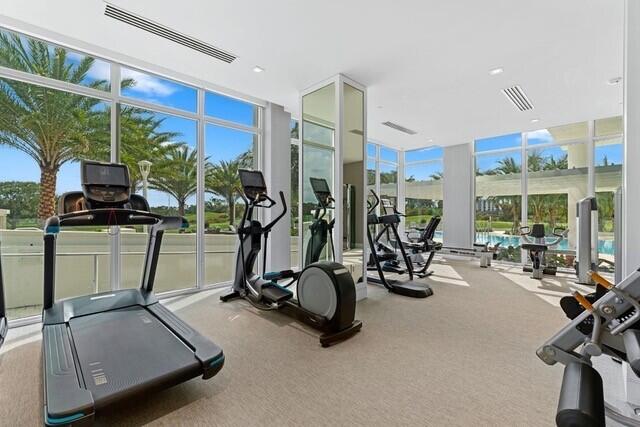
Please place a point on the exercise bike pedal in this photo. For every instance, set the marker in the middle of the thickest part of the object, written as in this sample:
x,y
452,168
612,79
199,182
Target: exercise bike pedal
x,y
276,294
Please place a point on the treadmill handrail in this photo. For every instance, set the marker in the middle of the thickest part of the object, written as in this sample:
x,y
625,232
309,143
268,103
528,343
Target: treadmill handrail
x,y
107,217
112,217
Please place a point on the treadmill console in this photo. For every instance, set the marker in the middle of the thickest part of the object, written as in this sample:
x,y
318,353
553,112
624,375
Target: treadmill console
x,y
105,185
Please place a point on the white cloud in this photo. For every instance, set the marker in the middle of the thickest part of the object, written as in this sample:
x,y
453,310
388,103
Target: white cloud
x,y
149,85
541,135
100,70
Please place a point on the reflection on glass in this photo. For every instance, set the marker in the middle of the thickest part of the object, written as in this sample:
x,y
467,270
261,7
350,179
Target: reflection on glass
x,y
499,202
318,133
608,166
294,202
353,175
169,143
226,151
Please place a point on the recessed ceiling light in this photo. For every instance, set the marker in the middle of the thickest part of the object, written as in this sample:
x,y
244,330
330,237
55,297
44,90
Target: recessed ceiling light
x,y
496,71
535,120
614,81
258,69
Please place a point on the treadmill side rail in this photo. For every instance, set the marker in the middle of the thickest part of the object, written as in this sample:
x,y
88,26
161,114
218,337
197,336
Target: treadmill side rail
x,y
76,403
209,354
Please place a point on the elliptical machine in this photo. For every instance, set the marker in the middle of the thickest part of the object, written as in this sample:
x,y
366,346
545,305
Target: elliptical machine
x,y
409,288
320,230
535,242
325,290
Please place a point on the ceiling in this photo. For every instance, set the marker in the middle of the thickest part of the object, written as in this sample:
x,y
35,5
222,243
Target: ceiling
x,y
425,62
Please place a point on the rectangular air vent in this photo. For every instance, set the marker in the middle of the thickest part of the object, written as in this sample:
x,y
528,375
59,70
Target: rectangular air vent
x,y
167,33
518,98
400,128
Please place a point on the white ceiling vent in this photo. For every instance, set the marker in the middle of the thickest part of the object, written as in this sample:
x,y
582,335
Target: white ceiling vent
x,y
399,128
518,98
167,33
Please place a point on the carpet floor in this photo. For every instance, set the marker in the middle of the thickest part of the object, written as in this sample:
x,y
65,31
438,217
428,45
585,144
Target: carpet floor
x,y
465,356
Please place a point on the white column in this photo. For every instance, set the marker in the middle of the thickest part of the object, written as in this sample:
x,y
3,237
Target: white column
x,y
276,167
457,194
631,205
401,191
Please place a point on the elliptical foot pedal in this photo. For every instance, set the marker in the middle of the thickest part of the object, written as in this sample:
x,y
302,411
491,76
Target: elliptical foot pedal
x,y
276,294
412,289
229,296
329,339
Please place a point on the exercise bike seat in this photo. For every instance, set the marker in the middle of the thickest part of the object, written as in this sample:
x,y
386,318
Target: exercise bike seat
x,y
274,293
534,247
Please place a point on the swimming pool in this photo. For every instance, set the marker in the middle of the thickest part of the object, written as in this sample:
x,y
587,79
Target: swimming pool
x,y
604,246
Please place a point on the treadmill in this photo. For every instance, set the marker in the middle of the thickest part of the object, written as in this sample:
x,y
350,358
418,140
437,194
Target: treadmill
x,y
409,288
104,348
3,315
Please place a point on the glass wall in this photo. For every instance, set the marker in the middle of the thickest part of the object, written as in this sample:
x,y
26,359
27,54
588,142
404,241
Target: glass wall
x,y
60,113
558,162
423,183
226,151
498,201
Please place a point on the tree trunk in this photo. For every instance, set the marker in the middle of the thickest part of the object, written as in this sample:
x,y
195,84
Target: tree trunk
x,y
47,205
232,211
181,205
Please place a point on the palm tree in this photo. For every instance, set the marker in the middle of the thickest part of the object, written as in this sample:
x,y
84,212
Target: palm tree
x,y
52,127
176,174
223,180
506,166
55,127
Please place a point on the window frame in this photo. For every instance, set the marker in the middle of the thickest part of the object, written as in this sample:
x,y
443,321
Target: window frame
x,y
114,98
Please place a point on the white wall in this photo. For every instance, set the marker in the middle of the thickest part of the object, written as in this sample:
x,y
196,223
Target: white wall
x,y
276,156
631,225
458,195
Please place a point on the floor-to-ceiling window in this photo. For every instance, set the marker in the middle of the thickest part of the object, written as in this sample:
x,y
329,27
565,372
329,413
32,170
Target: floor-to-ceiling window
x,y
388,173
59,106
557,178
423,184
231,140
558,162
498,201
44,133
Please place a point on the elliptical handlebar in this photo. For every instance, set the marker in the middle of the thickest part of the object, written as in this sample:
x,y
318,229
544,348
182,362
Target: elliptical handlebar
x,y
373,206
269,226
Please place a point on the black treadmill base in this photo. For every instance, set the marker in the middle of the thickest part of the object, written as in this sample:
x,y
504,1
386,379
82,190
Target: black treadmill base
x,y
412,289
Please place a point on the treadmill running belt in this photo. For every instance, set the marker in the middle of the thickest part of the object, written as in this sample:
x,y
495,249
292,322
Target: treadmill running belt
x,y
127,351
